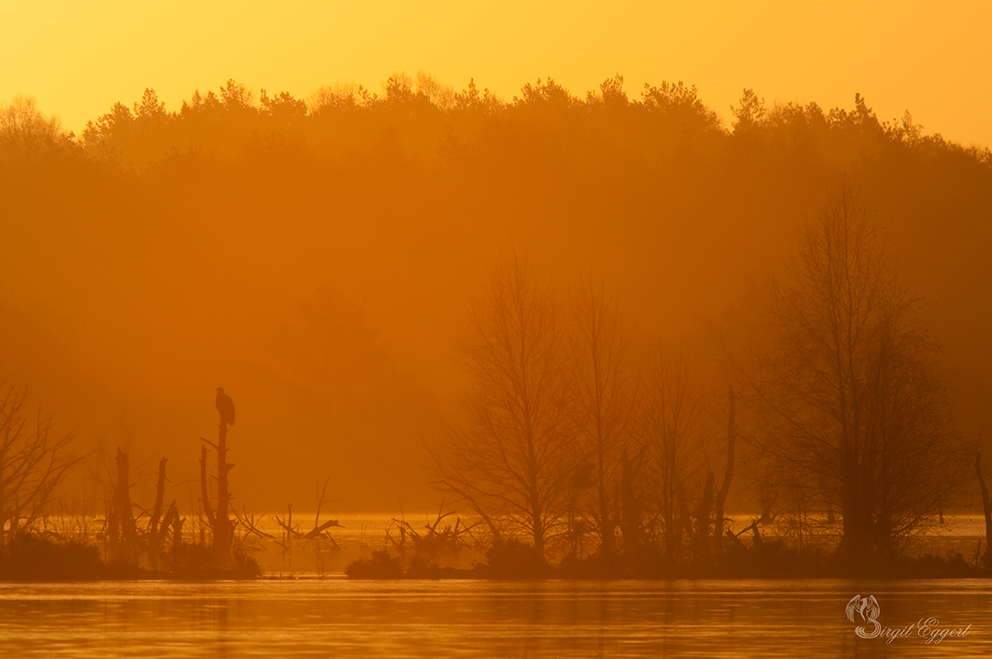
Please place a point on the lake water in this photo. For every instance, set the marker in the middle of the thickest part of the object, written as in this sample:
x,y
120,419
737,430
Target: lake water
x,y
336,617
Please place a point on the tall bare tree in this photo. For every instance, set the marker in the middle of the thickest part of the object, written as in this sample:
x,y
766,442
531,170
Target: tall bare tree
x,y
670,423
603,409
33,461
510,460
850,385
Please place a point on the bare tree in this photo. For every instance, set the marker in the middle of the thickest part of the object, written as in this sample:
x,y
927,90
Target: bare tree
x,y
849,385
509,461
603,409
670,422
25,133
33,461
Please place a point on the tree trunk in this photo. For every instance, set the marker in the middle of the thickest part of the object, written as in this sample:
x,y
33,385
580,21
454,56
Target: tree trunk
x,y
630,511
986,507
122,534
154,543
608,545
223,528
728,476
703,512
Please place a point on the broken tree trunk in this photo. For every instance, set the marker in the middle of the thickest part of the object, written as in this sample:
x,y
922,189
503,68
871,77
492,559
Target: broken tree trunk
x,y
177,533
154,541
728,476
121,530
167,521
223,527
208,510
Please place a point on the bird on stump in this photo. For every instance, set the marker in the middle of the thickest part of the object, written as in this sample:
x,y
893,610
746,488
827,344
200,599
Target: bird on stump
x,y
225,406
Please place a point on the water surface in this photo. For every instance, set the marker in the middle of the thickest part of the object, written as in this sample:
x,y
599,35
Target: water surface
x,y
342,618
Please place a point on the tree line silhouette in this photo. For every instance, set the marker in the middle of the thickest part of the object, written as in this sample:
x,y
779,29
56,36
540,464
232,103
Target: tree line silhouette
x,y
424,118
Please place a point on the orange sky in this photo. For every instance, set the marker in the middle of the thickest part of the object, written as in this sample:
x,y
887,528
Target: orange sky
x,y
77,59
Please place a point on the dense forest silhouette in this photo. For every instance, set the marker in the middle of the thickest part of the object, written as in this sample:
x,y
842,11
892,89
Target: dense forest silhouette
x,y
324,249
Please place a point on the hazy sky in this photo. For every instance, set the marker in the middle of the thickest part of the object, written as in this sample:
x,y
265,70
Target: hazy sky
x,y
78,58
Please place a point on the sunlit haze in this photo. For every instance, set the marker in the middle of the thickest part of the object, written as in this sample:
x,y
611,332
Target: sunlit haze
x,y
636,290
505,329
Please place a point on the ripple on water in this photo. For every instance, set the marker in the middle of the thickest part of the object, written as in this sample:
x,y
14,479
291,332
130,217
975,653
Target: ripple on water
x,y
345,618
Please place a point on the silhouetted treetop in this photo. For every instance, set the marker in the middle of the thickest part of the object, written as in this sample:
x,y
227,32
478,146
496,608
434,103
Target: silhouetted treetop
x,y
680,105
750,112
26,134
547,94
667,118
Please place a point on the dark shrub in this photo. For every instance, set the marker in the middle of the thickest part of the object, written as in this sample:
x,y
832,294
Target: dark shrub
x,y
31,557
198,561
512,559
380,566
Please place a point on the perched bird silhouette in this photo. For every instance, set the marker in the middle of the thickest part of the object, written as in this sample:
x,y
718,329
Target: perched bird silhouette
x,y
225,406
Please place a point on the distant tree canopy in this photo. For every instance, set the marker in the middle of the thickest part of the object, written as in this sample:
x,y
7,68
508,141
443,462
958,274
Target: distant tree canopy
x,y
548,148
415,125
429,119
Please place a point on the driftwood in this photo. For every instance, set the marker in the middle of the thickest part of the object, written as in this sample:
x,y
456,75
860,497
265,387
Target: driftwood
x,y
250,524
734,541
489,520
319,530
437,539
753,527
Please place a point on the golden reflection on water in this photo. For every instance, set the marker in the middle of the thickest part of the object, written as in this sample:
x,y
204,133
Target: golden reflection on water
x,y
342,618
